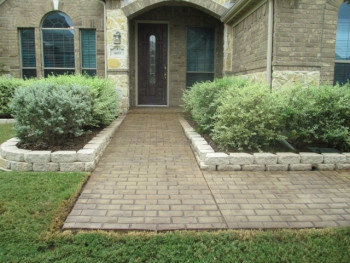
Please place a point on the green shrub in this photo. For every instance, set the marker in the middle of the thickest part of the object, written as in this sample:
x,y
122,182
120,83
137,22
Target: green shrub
x,y
50,113
318,116
201,101
7,89
104,96
248,118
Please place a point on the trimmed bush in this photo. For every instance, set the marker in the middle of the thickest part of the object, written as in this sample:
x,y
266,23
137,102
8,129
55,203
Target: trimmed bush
x,y
50,113
7,88
202,100
105,99
248,118
316,116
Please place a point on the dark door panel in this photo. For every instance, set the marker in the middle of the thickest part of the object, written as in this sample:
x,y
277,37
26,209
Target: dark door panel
x,y
152,64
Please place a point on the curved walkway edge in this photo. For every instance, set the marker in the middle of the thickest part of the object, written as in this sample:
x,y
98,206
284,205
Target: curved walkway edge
x,y
148,179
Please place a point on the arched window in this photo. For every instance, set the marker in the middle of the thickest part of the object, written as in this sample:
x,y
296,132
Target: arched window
x,y
342,50
58,44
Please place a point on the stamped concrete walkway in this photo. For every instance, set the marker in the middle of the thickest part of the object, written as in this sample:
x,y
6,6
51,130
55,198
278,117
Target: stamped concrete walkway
x,y
148,179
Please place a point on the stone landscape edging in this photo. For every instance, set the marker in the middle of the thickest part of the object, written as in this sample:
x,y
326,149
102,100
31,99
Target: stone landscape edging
x,y
84,160
4,121
208,159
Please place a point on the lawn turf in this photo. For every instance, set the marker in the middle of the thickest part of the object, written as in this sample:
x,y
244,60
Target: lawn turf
x,y
33,207
6,132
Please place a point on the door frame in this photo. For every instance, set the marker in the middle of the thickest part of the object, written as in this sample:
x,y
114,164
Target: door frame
x,y
136,61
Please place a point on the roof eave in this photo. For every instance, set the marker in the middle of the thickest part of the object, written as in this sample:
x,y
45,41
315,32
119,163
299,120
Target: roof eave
x,y
234,10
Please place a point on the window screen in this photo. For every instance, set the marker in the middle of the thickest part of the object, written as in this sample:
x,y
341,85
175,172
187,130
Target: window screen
x,y
58,44
88,51
27,39
342,53
200,54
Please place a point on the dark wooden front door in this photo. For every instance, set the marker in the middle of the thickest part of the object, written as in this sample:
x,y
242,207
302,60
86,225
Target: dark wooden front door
x,y
152,64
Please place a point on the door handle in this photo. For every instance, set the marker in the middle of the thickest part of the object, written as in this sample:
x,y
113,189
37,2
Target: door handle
x,y
165,75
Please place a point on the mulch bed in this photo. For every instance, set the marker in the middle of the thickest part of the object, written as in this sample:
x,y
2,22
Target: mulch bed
x,y
71,144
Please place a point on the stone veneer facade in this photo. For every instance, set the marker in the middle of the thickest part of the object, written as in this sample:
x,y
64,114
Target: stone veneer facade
x,y
303,43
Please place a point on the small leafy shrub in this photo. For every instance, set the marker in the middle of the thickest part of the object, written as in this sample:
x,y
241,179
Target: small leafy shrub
x,y
7,89
102,91
318,116
248,118
50,113
202,100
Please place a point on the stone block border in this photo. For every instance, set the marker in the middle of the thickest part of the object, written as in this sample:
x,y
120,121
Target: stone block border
x,y
84,160
4,121
208,159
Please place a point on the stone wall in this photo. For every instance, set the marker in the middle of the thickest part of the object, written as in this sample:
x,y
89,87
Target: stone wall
x,y
178,18
304,39
15,14
246,43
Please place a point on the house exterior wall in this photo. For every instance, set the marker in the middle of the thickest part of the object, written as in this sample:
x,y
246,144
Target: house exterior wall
x,y
246,44
304,41
15,14
178,19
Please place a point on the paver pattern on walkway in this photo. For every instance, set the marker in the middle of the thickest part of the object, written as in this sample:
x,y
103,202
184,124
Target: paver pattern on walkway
x,y
148,179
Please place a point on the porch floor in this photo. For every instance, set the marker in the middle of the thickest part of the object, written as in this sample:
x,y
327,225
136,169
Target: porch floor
x,y
148,179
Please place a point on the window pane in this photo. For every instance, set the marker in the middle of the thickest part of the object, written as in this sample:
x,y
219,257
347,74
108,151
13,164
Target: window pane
x,y
341,73
88,49
56,72
192,78
152,60
58,48
29,73
89,72
57,20
28,47
343,33
200,49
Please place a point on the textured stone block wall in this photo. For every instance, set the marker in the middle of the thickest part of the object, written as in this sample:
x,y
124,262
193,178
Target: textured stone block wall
x,y
178,18
14,14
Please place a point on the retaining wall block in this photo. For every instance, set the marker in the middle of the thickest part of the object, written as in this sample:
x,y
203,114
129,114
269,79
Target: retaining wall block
x,y
313,158
5,163
12,153
347,157
265,158
325,167
37,157
342,166
72,167
241,158
288,158
95,146
199,147
229,167
300,167
90,166
333,158
202,153
21,166
46,167
205,167
64,156
86,155
217,159
277,167
254,167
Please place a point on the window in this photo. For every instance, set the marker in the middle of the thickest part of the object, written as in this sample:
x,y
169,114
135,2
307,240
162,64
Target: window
x,y
58,44
88,52
200,54
342,50
28,61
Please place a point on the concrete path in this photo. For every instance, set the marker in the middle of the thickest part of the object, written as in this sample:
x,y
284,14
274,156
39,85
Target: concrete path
x,y
148,179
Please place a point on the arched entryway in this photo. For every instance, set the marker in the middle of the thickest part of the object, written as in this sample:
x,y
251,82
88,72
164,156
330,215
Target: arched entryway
x,y
172,45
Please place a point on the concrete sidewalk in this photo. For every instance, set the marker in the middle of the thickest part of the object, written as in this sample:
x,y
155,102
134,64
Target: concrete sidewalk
x,y
148,179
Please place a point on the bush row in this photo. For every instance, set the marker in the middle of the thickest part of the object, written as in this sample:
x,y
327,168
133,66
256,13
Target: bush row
x,y
242,115
52,109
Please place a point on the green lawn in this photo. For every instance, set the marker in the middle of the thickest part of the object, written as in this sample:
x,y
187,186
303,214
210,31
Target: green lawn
x,y
6,132
33,205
